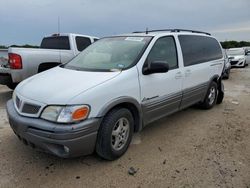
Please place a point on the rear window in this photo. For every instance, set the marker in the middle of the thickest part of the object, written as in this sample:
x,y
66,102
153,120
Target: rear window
x,y
199,49
58,42
82,43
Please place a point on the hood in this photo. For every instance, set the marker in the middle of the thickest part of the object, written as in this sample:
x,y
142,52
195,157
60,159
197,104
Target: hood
x,y
236,57
59,85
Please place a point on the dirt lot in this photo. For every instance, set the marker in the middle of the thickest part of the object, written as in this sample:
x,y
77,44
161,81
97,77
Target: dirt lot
x,y
192,148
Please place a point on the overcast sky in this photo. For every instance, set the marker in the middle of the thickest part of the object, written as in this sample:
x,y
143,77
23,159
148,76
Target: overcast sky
x,y
27,21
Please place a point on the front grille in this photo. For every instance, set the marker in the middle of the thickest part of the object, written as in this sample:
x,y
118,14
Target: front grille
x,y
18,102
26,107
30,108
233,62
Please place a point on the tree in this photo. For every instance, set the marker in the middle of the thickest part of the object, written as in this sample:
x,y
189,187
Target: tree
x,y
234,44
3,47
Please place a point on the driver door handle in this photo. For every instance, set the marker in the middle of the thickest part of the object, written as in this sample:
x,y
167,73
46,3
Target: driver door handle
x,y
178,75
188,72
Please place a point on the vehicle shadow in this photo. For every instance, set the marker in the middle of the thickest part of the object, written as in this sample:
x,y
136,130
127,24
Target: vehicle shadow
x,y
4,97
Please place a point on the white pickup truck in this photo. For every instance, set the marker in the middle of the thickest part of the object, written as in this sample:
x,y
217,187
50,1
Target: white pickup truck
x,y
54,50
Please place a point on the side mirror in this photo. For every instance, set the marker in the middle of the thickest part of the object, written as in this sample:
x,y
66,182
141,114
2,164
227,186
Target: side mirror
x,y
248,53
156,67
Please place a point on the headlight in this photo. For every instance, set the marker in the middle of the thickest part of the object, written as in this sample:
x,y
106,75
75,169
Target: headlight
x,y
65,114
241,59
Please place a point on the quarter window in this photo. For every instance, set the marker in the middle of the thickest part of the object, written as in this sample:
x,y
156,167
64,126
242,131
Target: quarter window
x,y
164,50
199,49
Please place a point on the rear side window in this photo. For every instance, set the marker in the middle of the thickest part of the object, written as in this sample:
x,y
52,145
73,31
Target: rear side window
x,y
58,42
164,49
199,49
82,43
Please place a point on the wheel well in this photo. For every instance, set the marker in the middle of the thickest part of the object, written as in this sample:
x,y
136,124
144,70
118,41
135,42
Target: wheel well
x,y
135,112
45,66
217,80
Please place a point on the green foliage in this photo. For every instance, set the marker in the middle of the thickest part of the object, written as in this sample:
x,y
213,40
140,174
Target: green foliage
x,y
225,45
3,47
25,46
19,46
234,44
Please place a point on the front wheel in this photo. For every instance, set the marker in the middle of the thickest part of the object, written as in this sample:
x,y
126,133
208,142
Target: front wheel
x,y
211,96
115,134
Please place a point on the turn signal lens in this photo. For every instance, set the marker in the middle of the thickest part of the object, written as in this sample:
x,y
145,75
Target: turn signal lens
x,y
80,113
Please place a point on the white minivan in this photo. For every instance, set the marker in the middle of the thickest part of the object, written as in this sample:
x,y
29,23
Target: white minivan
x,y
114,88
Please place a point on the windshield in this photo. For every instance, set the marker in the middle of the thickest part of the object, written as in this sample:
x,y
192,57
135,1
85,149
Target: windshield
x,y
110,54
236,52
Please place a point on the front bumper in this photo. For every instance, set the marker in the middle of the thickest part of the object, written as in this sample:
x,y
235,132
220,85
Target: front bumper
x,y
70,140
237,63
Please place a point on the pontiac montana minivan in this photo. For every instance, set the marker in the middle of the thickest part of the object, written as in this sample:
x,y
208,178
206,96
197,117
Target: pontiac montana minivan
x,y
114,88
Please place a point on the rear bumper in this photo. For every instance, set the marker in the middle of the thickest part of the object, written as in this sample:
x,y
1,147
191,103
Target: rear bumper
x,y
65,141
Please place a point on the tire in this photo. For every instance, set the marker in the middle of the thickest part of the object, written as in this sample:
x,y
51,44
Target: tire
x,y
115,134
227,75
12,85
211,96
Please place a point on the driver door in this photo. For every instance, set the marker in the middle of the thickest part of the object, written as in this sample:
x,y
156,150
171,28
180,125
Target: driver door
x,y
161,93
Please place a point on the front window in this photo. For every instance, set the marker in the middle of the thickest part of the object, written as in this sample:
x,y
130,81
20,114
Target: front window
x,y
164,50
110,54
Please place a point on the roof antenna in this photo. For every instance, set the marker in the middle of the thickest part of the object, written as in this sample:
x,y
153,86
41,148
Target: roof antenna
x,y
146,30
58,25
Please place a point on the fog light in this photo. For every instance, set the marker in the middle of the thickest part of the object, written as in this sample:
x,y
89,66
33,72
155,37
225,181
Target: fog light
x,y
66,149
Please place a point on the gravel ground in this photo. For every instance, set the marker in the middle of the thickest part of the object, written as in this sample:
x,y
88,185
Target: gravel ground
x,y
192,148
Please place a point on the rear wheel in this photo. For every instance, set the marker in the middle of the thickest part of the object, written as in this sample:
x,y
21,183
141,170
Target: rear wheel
x,y
227,74
115,134
211,96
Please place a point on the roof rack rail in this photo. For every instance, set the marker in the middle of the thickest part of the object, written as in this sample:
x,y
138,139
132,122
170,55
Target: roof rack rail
x,y
172,30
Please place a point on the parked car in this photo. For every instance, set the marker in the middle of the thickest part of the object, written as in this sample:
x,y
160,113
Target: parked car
x,y
54,50
227,66
237,57
114,88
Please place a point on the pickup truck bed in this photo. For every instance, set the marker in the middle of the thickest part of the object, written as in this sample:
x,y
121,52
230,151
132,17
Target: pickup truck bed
x,y
54,50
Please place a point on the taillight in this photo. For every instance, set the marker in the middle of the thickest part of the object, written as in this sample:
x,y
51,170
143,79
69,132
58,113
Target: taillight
x,y
15,61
